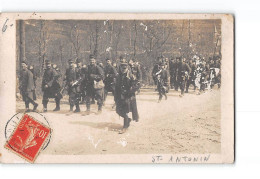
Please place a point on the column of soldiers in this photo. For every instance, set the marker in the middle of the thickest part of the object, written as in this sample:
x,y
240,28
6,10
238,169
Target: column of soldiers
x,y
87,83
181,73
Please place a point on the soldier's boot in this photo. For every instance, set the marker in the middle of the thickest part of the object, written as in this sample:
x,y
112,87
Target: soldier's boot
x,y
187,89
27,107
165,95
126,125
77,108
44,107
93,101
57,105
194,87
35,106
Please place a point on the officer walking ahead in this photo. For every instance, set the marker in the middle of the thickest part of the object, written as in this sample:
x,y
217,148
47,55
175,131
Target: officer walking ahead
x,y
50,87
125,95
94,84
183,74
73,80
27,87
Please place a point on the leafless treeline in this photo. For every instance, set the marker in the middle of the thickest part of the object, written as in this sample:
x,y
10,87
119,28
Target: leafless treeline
x,y
144,40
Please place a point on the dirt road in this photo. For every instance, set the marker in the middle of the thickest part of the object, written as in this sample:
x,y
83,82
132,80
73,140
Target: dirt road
x,y
190,124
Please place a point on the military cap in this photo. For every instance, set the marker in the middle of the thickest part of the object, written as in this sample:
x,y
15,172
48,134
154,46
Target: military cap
x,y
162,63
121,57
91,56
47,61
70,61
78,60
124,64
24,62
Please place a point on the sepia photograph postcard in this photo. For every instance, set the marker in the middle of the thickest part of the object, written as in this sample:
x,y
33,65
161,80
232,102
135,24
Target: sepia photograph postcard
x,y
117,88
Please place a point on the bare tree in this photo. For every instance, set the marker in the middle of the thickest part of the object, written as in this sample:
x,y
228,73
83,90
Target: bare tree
x,y
74,38
135,30
156,38
42,44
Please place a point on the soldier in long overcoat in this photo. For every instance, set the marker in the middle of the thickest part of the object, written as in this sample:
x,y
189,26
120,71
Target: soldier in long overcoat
x,y
73,79
125,95
27,87
50,87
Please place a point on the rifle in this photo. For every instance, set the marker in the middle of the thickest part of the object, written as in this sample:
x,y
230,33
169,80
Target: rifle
x,y
76,82
59,94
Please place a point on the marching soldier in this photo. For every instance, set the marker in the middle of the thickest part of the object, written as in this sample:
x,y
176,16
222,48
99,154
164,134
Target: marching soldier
x,y
80,89
73,79
137,73
95,85
173,70
203,77
192,76
183,73
136,70
27,87
57,87
212,73
218,77
50,86
110,77
156,68
125,95
163,79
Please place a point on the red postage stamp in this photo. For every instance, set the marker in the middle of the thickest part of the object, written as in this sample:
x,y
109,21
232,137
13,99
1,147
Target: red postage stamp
x,y
28,138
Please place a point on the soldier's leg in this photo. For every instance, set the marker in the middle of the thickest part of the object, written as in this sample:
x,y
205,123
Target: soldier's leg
x,y
45,101
160,92
194,85
105,94
177,84
57,101
26,105
165,95
88,102
127,121
99,98
188,85
93,100
30,100
77,99
182,87
72,100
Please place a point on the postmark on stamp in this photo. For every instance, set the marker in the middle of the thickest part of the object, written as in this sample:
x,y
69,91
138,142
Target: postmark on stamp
x,y
28,138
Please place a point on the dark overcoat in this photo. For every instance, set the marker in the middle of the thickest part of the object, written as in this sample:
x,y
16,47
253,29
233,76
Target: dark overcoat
x,y
26,84
125,95
50,78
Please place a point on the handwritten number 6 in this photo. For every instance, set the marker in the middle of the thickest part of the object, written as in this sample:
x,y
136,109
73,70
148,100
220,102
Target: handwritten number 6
x,y
5,26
